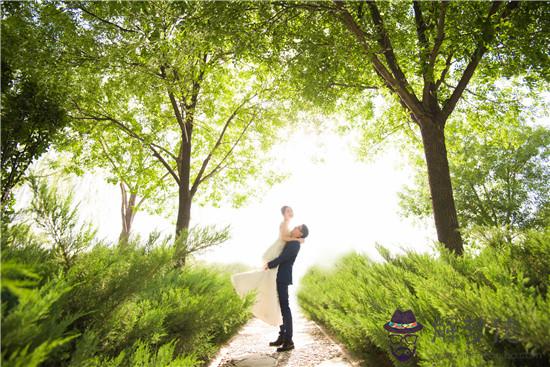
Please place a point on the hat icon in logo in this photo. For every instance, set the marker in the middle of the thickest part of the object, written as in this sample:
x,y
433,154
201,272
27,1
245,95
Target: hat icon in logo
x,y
403,322
402,340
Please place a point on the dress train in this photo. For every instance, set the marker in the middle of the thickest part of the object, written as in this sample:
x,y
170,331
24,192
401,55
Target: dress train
x,y
266,306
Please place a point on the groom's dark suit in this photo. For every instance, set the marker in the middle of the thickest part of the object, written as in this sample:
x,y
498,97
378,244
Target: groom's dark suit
x,y
285,261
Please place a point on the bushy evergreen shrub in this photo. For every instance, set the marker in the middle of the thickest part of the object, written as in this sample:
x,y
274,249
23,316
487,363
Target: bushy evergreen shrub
x,y
502,287
118,306
90,303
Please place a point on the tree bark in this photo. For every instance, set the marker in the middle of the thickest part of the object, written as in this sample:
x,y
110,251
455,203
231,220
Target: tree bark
x,y
443,203
184,167
184,211
127,214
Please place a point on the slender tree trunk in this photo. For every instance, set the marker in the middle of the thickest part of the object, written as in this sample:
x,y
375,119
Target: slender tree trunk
x,y
443,204
184,216
185,197
127,213
184,210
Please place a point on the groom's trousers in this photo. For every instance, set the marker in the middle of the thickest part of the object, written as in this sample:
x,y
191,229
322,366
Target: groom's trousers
x,y
286,328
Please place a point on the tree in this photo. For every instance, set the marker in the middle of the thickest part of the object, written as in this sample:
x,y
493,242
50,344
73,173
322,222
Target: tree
x,y
425,54
142,182
500,174
169,76
33,115
32,120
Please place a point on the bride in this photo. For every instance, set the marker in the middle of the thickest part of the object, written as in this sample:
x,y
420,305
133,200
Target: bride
x,y
266,306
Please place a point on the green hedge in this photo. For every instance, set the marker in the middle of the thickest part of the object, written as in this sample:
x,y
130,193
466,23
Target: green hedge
x,y
498,283
115,306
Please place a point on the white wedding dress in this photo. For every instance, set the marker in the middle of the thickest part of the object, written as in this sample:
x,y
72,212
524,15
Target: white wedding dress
x,y
266,306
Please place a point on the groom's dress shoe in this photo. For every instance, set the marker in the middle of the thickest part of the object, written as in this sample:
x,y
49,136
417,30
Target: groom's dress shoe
x,y
287,345
277,342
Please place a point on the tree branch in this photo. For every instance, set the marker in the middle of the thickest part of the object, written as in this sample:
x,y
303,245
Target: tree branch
x,y
197,83
387,48
105,20
130,132
304,5
444,71
123,207
440,32
145,195
175,107
481,48
428,99
346,85
205,162
220,166
107,155
409,101
420,30
481,206
150,145
360,10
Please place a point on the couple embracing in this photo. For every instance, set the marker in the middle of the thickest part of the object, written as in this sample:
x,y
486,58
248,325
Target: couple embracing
x,y
271,283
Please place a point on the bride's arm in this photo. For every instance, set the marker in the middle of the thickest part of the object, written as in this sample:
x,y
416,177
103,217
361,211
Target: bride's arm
x,y
284,234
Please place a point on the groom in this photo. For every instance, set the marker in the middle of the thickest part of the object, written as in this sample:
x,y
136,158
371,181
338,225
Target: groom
x,y
284,278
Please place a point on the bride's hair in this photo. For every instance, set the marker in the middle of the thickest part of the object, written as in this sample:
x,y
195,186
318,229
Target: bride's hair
x,y
283,209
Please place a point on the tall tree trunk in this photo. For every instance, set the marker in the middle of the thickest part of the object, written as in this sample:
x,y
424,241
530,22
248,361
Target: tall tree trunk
x,y
184,167
127,213
184,216
185,196
443,204
184,210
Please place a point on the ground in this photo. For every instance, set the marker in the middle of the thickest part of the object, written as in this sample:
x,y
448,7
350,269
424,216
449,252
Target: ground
x,y
313,347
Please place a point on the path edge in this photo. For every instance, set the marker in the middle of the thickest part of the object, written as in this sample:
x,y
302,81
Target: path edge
x,y
215,362
350,358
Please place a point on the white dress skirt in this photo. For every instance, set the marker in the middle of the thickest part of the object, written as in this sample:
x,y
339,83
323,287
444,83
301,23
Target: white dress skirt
x,y
266,306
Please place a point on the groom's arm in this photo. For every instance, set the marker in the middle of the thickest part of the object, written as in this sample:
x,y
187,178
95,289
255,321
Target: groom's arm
x,y
289,252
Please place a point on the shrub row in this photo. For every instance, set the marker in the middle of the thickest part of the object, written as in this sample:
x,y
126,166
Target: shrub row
x,y
488,307
115,306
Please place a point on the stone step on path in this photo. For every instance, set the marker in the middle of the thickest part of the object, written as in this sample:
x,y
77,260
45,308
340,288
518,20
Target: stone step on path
x,y
250,347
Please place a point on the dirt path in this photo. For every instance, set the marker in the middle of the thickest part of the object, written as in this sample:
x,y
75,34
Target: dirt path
x,y
250,347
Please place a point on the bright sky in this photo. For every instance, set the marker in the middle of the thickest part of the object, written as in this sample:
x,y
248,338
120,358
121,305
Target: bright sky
x,y
347,205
